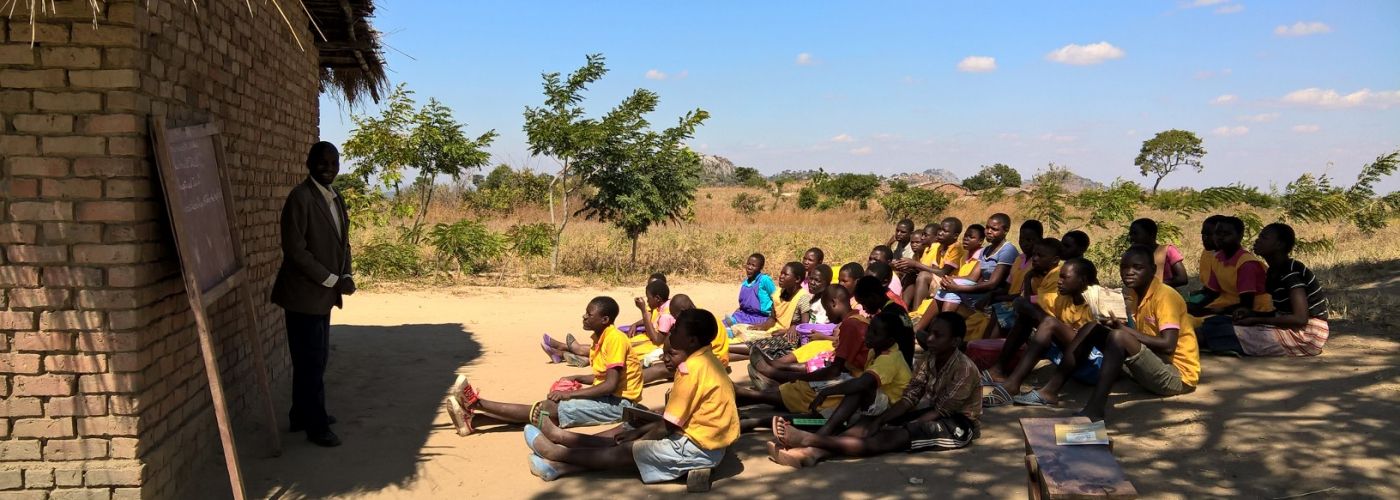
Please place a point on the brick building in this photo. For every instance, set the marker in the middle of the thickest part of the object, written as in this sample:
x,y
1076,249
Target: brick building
x,y
104,394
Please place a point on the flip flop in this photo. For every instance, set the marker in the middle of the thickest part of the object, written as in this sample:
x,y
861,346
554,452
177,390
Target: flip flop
x,y
986,378
570,340
538,414
998,398
1032,398
532,432
542,469
554,356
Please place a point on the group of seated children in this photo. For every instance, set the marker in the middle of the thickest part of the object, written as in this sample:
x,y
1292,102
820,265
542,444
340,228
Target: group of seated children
x,y
841,347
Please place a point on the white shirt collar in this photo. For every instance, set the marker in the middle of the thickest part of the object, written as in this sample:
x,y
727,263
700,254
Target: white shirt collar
x,y
325,191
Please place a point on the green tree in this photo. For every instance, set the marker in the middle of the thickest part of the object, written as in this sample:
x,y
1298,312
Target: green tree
x,y
807,198
747,176
425,139
1114,206
1047,198
998,175
1168,150
908,202
850,187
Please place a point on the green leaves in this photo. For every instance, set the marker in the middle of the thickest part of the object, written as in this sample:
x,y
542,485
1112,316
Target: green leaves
x,y
466,244
907,202
998,175
1114,206
1047,198
1168,150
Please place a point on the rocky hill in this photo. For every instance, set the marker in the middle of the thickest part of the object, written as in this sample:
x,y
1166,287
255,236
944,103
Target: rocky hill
x,y
930,176
716,170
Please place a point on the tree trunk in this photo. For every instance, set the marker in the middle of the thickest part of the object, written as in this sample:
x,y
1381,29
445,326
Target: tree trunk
x,y
1155,184
634,251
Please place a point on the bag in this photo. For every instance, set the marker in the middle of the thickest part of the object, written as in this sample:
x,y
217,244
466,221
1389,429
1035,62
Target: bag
x,y
565,385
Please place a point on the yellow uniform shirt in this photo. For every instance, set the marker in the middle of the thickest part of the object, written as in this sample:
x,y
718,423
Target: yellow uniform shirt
x,y
639,338
1063,308
1226,277
1163,309
720,345
702,402
1019,270
955,256
612,350
1046,287
891,370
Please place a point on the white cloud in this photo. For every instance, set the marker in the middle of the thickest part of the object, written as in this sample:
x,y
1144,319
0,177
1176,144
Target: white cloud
x,y
1230,9
977,64
1224,99
806,59
653,74
1259,118
1306,129
1234,131
1083,55
1330,98
862,151
843,138
1301,28
1049,137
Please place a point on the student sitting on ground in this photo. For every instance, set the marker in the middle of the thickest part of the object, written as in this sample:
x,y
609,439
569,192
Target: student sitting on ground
x,y
907,277
969,271
942,255
1236,282
1197,299
790,308
883,272
1298,325
810,260
899,241
1058,320
1032,231
824,358
615,383
873,390
646,332
994,265
1159,353
719,346
818,280
699,422
1074,244
1167,258
883,255
848,276
939,410
755,295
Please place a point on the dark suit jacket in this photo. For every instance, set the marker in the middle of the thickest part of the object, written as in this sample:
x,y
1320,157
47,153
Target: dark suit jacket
x,y
311,250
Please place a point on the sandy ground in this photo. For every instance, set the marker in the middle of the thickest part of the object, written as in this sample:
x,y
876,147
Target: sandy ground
x,y
1255,428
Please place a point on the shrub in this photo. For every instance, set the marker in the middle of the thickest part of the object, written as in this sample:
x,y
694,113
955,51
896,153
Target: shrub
x,y
466,244
998,175
1113,206
1046,201
906,202
388,260
807,198
747,203
531,240
750,177
850,187
506,189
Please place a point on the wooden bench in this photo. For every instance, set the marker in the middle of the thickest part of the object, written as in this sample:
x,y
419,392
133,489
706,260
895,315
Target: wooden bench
x,y
697,481
1080,471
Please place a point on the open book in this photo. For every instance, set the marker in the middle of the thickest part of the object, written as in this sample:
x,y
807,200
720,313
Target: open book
x,y
1105,303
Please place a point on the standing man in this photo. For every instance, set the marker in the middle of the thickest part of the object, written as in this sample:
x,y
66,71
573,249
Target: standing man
x,y
315,272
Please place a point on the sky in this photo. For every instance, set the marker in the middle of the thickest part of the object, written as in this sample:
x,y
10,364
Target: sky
x,y
1275,89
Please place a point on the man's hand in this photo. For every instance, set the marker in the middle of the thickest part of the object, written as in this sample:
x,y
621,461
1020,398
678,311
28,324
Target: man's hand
x,y
346,285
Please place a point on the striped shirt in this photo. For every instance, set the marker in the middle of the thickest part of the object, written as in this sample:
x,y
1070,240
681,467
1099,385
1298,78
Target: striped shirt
x,y
1281,280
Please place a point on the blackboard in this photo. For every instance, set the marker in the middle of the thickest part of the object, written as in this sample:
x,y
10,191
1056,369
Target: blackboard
x,y
190,160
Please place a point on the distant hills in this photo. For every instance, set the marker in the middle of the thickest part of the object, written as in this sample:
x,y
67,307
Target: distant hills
x,y
718,170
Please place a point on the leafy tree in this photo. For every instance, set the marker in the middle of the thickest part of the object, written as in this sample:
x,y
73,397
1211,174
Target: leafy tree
x,y
746,203
746,176
907,202
1370,213
997,175
1110,207
1168,150
850,187
1047,199
505,189
807,198
426,139
466,244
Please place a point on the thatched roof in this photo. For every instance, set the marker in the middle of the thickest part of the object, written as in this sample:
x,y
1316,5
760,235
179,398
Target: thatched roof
x,y
351,58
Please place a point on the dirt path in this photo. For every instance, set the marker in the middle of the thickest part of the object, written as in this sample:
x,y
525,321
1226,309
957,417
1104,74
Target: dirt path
x,y
1255,429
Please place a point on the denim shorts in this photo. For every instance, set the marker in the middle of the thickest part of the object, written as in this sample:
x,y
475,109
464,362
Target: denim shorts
x,y
669,458
592,411
1005,313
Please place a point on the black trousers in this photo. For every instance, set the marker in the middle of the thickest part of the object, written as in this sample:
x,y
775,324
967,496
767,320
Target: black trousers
x,y
309,340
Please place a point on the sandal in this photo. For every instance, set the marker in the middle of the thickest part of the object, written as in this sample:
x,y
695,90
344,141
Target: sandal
x,y
538,414
999,396
461,417
1032,398
986,378
554,356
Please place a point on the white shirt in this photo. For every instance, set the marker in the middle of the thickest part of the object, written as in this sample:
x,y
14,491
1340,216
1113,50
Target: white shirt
x,y
330,196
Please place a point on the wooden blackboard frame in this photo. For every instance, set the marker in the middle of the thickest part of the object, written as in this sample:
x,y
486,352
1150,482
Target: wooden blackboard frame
x,y
201,296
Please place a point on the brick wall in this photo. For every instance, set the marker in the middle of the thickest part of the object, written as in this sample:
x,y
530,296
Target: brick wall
x,y
104,393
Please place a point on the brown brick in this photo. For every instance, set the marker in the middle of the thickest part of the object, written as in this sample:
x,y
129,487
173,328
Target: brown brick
x,y
17,450
44,427
15,100
16,55
25,495
37,167
106,167
36,254
75,363
70,320
107,383
16,189
111,124
41,477
107,254
73,145
11,479
107,35
43,341
71,57
125,100
105,78
31,78
41,33
116,211
14,233
19,363
124,404
67,101
128,188
128,361
131,233
41,210
128,320
134,276
44,124
81,406
19,145
125,493
38,298
124,447
71,232
126,146
16,320
108,299
109,341
17,407
69,189
72,276
68,477
129,475
83,494
75,449
108,426
44,385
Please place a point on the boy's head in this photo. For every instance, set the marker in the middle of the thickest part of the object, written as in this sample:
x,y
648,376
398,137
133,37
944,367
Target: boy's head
x,y
818,279
903,230
836,301
754,265
694,330
885,329
1208,231
1143,232
656,277
848,276
1074,244
933,233
1275,240
974,237
1076,275
880,253
880,271
681,303
997,226
791,275
1045,254
813,257
870,294
657,293
1137,267
1032,231
952,230
599,314
918,241
1228,233
944,334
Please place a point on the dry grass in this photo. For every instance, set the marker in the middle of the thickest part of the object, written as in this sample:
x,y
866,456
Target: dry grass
x,y
1360,274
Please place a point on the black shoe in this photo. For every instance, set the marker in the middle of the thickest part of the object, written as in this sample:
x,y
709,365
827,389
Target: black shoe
x,y
324,438
296,426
